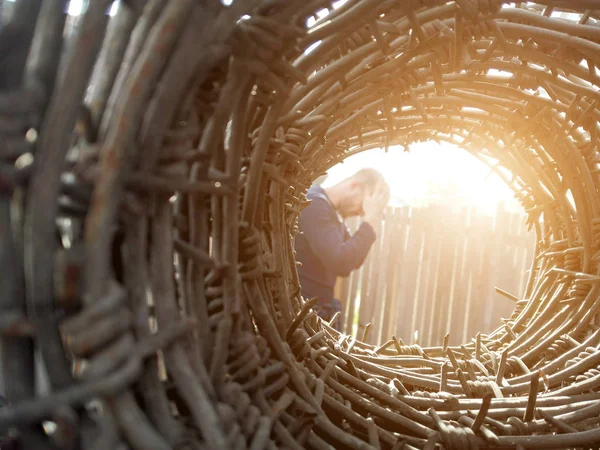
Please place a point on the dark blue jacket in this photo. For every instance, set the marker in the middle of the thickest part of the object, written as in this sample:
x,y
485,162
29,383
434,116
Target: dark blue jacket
x,y
325,248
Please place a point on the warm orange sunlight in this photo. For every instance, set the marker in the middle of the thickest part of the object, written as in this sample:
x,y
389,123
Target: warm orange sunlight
x,y
432,173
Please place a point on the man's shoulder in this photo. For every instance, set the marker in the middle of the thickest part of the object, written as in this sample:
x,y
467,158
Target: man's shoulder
x,y
319,203
317,193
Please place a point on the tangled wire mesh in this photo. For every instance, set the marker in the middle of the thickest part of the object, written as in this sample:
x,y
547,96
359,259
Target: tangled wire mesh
x,y
153,167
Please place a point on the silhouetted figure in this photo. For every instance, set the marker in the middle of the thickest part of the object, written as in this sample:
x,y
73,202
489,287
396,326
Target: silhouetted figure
x,y
325,247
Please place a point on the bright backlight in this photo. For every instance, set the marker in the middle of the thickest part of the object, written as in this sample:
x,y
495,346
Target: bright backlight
x,y
431,173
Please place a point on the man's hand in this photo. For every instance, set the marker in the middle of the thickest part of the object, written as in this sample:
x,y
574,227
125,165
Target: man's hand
x,y
374,204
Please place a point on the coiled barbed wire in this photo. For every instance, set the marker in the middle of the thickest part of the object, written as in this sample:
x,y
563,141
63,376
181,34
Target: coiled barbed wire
x,y
152,216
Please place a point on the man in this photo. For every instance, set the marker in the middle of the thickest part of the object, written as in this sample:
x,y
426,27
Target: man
x,y
324,246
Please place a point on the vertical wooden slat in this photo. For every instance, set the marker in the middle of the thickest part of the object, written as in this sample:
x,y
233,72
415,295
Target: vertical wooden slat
x,y
344,296
386,275
443,286
418,266
480,297
503,269
460,291
367,285
487,320
429,310
350,298
494,267
469,263
377,300
458,244
351,301
422,307
396,271
408,275
362,293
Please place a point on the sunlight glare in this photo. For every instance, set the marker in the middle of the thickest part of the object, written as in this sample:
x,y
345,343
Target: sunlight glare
x,y
432,173
75,8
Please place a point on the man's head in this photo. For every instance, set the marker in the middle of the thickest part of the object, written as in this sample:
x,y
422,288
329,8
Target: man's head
x,y
352,191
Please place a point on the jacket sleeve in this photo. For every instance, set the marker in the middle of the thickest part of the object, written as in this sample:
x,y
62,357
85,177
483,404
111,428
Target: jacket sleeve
x,y
327,239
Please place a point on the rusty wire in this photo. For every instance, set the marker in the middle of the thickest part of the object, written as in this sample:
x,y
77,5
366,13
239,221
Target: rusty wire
x,y
152,177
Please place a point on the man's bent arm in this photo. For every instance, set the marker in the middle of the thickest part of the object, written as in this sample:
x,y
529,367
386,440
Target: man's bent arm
x,y
326,238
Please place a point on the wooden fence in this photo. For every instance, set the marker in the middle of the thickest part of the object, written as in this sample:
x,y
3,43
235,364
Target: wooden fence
x,y
433,271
